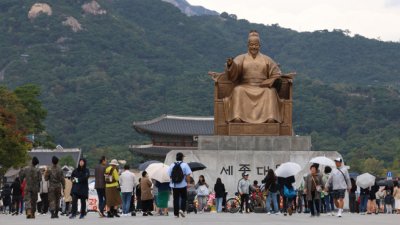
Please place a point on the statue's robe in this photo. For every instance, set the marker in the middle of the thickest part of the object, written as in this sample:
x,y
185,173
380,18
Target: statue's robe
x,y
254,100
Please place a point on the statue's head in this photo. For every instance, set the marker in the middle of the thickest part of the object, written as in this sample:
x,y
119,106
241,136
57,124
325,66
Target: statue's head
x,y
254,42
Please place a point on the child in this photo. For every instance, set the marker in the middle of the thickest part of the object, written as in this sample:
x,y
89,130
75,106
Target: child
x,y
388,202
257,194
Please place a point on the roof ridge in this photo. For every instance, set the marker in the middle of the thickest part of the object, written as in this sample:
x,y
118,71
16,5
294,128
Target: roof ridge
x,y
203,118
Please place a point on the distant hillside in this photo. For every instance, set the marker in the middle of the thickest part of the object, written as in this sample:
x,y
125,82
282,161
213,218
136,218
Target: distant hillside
x,y
104,64
191,10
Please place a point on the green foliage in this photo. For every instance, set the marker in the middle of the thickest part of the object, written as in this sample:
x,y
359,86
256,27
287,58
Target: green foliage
x,y
32,119
14,145
67,160
145,58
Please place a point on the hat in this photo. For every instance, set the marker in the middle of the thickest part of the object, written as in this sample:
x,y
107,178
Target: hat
x,y
245,174
180,154
338,160
114,162
305,175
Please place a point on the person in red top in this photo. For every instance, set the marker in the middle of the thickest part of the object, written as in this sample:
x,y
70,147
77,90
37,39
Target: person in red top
x,y
22,197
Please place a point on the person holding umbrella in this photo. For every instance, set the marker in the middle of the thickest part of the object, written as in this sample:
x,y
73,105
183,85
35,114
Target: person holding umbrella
x,y
341,181
314,185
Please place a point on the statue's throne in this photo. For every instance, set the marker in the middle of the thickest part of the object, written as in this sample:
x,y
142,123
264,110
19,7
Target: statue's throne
x,y
224,87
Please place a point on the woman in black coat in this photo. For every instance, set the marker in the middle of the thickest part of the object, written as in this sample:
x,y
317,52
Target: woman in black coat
x,y
80,188
16,195
219,189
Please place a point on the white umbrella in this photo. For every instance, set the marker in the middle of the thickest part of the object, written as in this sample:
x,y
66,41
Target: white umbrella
x,y
365,180
158,171
322,160
288,169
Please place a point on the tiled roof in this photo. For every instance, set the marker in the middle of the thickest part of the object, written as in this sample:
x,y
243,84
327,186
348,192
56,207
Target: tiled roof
x,y
45,155
155,150
177,125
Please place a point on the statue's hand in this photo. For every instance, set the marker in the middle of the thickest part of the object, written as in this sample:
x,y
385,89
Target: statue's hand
x,y
229,61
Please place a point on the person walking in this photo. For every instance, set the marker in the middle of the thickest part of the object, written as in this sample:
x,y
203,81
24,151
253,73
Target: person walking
x,y
6,198
396,196
147,197
202,193
352,197
16,195
372,208
22,195
32,177
67,193
340,180
288,192
128,182
113,197
163,196
180,176
364,196
244,190
154,192
272,188
303,194
80,188
314,185
219,189
328,194
100,185
43,206
57,183
139,196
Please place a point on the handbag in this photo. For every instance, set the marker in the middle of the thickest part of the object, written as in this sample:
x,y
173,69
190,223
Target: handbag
x,y
266,191
318,188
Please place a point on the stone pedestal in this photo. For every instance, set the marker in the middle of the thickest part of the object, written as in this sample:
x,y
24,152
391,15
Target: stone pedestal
x,y
227,157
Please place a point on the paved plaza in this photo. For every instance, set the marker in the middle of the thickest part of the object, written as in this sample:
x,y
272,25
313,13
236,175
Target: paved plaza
x,y
211,218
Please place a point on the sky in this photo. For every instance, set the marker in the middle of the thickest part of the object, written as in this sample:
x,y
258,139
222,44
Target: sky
x,y
369,18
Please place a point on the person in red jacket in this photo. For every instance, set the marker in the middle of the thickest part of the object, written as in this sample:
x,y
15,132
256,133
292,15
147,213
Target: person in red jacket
x,y
22,197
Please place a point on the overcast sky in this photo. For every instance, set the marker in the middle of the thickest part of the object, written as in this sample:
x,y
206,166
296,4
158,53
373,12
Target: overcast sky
x,y
369,18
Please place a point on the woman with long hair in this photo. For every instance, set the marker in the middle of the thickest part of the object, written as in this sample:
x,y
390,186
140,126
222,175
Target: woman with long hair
x,y
396,196
272,187
219,189
202,193
80,188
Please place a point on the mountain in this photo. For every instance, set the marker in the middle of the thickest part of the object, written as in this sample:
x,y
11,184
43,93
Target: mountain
x,y
191,10
104,64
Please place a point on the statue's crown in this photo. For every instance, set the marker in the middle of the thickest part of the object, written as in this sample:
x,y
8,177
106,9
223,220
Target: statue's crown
x,y
255,33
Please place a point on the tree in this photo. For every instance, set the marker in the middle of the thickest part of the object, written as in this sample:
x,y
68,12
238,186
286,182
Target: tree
x,y
67,160
14,145
32,119
373,166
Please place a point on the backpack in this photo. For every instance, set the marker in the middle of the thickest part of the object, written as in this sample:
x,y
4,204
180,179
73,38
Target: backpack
x,y
177,173
7,193
289,193
108,177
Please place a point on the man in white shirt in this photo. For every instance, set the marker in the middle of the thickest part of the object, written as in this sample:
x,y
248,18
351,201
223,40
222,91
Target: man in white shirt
x,y
127,181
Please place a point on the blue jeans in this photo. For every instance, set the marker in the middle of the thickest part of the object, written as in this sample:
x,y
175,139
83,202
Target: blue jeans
x,y
101,193
274,201
364,202
327,202
126,198
22,205
218,203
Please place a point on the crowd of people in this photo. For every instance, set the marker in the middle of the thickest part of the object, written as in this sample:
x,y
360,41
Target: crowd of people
x,y
320,192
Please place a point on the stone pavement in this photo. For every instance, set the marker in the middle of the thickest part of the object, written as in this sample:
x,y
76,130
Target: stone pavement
x,y
210,219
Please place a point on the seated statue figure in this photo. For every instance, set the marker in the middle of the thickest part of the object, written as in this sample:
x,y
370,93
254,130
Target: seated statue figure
x,y
255,99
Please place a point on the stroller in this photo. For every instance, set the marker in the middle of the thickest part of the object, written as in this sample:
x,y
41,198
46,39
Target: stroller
x,y
190,205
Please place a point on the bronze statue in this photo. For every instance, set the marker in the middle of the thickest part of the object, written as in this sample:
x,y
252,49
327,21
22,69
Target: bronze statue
x,y
255,99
